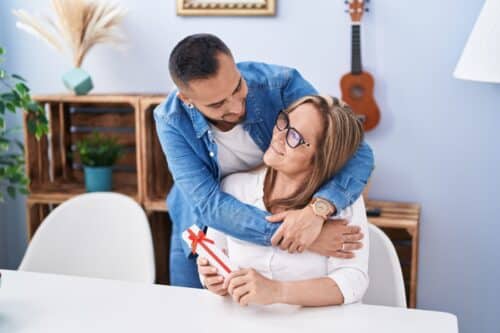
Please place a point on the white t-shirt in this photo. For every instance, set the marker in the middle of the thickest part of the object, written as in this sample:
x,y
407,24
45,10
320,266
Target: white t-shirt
x,y
236,150
351,275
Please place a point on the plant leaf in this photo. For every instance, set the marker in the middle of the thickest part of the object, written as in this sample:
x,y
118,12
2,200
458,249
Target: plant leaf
x,y
22,88
18,77
12,191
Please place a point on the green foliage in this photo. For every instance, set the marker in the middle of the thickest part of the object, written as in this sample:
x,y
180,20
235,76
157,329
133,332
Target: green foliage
x,y
98,150
14,96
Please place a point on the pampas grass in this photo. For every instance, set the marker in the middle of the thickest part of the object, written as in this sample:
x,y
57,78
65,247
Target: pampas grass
x,y
78,26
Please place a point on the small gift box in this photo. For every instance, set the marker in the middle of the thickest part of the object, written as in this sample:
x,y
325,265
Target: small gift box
x,y
206,248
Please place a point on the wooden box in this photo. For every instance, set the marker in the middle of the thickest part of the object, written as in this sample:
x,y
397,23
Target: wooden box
x,y
156,176
53,166
400,221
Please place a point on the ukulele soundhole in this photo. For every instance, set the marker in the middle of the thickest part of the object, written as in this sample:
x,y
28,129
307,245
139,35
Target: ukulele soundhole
x,y
357,92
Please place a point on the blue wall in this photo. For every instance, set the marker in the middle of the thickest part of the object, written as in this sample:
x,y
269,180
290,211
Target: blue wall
x,y
436,143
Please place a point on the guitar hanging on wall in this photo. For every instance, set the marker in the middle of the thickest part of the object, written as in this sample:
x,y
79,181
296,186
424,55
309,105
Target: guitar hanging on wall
x,y
357,86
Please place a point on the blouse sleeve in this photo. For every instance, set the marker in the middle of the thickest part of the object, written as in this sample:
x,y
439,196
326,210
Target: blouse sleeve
x,y
351,275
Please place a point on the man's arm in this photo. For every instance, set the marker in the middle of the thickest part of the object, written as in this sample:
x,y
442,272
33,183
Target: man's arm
x,y
220,210
347,185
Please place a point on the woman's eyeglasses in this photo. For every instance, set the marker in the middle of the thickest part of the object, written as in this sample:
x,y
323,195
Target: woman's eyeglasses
x,y
293,137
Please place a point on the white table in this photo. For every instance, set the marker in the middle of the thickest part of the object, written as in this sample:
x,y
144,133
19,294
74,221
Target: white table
x,y
34,302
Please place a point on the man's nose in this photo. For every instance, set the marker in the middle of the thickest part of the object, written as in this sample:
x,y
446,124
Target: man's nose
x,y
235,105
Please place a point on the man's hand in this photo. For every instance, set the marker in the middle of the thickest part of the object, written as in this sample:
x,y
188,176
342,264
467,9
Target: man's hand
x,y
299,230
337,239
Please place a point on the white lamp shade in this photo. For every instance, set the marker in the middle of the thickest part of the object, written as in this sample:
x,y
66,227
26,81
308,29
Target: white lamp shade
x,y
480,59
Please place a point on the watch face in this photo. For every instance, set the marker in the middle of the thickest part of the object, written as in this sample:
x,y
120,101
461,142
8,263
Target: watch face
x,y
321,207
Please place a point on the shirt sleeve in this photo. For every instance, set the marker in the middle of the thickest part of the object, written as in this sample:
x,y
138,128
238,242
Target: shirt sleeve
x,y
347,185
351,275
218,209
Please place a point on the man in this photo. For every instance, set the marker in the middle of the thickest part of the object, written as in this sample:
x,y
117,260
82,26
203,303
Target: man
x,y
220,121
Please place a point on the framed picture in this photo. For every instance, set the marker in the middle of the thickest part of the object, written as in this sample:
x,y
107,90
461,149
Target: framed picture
x,y
226,7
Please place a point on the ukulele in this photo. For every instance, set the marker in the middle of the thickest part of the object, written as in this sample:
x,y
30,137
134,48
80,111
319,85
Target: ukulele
x,y
357,86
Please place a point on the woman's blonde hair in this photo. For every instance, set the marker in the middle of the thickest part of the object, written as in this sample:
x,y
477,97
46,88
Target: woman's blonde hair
x,y
341,136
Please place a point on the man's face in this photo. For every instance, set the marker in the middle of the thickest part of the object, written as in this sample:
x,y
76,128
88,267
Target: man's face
x,y
222,97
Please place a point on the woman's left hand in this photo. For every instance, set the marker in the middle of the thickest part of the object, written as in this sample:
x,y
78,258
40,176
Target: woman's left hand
x,y
247,286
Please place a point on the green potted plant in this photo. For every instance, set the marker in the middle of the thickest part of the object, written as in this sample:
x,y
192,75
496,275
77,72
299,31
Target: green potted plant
x,y
98,154
15,95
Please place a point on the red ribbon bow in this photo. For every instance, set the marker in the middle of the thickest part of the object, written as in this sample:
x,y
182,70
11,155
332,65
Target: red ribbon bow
x,y
198,239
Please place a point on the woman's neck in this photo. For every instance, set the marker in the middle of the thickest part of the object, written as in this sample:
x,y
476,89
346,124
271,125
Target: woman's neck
x,y
286,185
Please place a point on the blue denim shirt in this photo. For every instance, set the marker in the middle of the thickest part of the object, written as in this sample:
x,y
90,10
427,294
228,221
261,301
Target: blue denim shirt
x,y
191,153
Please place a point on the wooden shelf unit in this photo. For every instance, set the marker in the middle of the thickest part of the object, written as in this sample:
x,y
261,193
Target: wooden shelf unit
x,y
145,176
55,171
400,221
156,177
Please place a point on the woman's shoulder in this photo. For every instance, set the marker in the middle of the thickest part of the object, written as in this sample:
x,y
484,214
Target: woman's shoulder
x,y
245,186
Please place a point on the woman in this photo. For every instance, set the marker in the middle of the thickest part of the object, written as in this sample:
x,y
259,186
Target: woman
x,y
311,141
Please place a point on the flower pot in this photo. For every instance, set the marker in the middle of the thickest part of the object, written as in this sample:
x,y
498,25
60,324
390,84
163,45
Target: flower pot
x,y
78,81
98,179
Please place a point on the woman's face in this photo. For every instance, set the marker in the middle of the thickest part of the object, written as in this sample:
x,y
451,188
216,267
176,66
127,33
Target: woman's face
x,y
307,122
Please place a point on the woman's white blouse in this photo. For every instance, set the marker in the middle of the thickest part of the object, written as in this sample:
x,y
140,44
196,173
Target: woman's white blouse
x,y
351,275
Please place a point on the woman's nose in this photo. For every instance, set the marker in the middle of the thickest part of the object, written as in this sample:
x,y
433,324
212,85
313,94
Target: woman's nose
x,y
280,136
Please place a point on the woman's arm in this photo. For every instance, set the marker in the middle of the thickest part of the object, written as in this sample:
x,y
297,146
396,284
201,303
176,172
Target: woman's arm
x,y
314,292
346,282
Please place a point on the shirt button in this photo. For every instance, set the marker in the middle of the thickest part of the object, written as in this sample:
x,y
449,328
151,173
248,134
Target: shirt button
x,y
211,154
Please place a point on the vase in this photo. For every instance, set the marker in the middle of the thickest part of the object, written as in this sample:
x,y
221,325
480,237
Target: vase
x,y
78,81
98,179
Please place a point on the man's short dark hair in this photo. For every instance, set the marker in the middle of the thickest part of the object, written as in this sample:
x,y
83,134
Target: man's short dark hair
x,y
195,57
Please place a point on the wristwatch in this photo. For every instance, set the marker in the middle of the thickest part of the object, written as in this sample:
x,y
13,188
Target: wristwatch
x,y
322,208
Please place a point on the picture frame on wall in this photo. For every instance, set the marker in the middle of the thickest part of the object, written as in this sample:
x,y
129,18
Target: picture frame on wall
x,y
226,7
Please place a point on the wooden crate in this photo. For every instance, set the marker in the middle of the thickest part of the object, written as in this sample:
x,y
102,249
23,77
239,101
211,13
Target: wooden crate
x,y
53,166
156,176
400,222
161,231
35,214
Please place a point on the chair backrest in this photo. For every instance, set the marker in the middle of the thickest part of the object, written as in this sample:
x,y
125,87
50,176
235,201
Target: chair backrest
x,y
100,235
386,279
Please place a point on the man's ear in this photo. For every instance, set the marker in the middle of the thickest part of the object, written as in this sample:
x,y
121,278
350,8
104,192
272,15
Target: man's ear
x,y
183,98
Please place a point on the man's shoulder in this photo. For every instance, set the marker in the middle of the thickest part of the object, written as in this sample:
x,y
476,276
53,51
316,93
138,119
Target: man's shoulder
x,y
260,73
170,110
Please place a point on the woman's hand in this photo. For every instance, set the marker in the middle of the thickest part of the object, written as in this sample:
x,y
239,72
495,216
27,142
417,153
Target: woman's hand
x,y
247,286
211,279
299,230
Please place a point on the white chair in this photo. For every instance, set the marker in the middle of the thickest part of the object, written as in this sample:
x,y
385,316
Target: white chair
x,y
100,235
386,279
